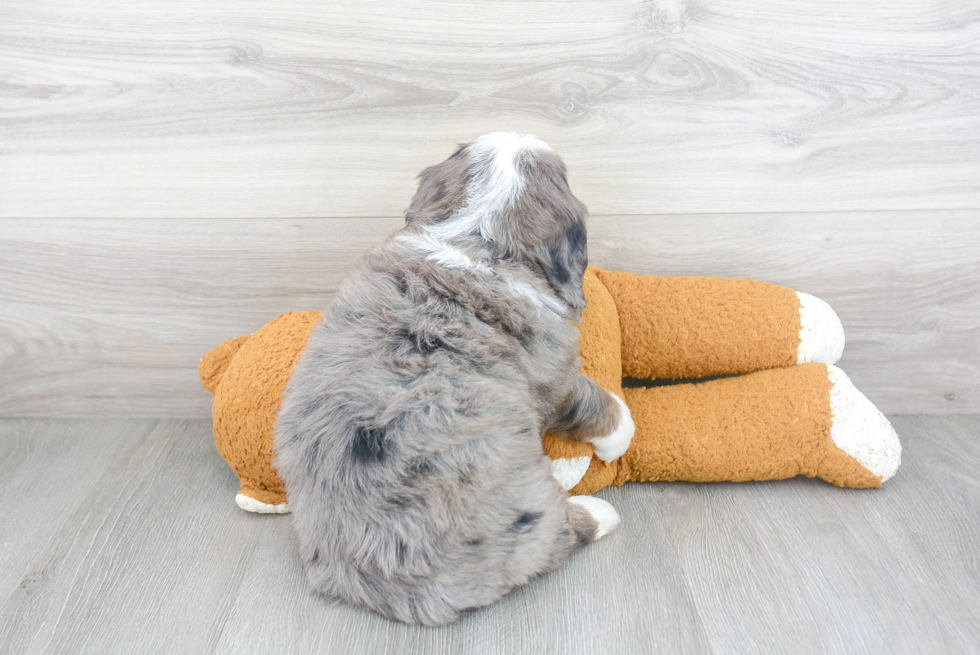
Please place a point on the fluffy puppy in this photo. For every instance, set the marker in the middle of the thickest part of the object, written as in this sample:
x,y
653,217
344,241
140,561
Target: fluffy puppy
x,y
410,433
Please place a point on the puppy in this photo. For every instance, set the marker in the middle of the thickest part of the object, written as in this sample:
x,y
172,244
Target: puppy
x,y
410,433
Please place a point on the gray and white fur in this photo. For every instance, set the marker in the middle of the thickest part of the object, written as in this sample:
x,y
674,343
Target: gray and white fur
x,y
410,433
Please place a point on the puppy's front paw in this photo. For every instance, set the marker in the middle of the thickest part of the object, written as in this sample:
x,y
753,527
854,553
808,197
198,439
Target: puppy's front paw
x,y
613,445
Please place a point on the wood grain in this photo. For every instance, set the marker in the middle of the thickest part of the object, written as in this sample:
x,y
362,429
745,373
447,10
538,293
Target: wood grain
x,y
128,540
139,566
46,471
840,570
312,109
110,317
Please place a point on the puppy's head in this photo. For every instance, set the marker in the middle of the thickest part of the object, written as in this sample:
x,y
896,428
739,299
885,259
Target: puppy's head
x,y
510,192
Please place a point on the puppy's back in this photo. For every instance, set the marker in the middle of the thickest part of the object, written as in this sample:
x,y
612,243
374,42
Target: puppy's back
x,y
415,471
409,437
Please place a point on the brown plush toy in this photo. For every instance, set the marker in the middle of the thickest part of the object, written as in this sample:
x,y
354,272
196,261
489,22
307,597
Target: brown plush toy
x,y
787,411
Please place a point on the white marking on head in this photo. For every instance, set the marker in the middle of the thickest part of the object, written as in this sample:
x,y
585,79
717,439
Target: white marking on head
x,y
495,185
505,148
821,332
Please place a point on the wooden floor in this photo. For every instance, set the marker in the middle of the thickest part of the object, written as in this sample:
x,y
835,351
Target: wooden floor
x,y
122,536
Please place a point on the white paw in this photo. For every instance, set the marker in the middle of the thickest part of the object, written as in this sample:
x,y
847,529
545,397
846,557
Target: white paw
x,y
821,332
613,445
860,430
249,504
569,471
604,514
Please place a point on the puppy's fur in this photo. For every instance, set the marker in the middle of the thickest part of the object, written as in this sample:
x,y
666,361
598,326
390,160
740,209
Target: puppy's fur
x,y
410,433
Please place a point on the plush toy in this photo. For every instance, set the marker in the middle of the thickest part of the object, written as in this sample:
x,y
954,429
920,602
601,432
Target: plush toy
x,y
784,409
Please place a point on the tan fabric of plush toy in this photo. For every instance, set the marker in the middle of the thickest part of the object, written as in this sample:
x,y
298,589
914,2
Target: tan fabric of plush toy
x,y
787,411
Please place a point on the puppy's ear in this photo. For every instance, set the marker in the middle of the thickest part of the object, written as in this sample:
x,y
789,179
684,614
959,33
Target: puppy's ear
x,y
441,190
564,258
427,191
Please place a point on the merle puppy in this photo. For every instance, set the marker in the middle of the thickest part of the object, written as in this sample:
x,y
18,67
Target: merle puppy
x,y
410,434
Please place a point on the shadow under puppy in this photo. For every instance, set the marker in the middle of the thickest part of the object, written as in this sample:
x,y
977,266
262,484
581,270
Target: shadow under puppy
x,y
410,433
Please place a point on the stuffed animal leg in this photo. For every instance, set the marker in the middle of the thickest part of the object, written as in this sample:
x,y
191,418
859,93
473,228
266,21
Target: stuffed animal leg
x,y
694,327
771,424
768,425
247,376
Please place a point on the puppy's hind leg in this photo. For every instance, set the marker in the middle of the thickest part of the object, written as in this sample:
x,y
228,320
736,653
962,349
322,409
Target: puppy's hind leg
x,y
587,519
604,517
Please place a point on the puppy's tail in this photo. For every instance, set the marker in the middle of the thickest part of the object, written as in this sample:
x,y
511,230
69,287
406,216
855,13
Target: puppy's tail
x,y
213,365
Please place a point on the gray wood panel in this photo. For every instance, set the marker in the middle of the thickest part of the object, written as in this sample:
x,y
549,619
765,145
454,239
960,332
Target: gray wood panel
x,y
109,317
142,549
905,285
112,316
164,108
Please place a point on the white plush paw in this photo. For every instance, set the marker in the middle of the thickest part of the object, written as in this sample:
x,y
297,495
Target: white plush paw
x,y
613,445
569,471
604,514
249,504
860,430
821,332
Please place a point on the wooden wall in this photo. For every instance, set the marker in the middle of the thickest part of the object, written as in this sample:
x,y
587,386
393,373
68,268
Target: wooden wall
x,y
827,145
